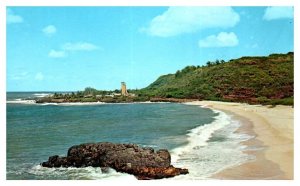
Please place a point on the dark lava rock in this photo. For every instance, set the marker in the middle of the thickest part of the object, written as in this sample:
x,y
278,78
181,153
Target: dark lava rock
x,y
144,163
147,173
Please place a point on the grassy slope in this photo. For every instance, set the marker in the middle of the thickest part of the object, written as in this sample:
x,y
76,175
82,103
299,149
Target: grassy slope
x,y
268,80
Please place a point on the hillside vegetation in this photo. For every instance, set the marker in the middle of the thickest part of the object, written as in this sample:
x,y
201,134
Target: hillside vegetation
x,y
265,80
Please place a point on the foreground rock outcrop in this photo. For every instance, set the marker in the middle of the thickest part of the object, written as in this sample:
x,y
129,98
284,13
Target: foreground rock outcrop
x,y
144,163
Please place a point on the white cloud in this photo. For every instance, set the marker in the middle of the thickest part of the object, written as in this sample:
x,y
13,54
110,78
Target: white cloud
x,y
11,17
49,30
179,20
57,54
39,76
19,76
278,12
223,39
68,47
80,46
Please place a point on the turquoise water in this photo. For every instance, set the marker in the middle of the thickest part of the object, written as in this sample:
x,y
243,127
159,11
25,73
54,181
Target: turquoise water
x,y
35,132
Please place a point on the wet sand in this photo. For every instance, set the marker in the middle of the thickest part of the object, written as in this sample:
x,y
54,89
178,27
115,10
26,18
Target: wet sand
x,y
272,145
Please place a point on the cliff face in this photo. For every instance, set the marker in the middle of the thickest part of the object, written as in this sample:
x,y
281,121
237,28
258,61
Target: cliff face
x,y
268,79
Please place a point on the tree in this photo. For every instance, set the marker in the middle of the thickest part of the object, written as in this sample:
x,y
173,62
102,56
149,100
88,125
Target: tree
x,y
188,69
117,91
89,91
177,73
79,94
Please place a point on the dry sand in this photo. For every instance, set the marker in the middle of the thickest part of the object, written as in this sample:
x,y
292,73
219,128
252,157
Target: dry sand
x,y
273,129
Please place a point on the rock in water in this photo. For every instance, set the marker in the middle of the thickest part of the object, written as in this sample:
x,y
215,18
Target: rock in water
x,y
144,163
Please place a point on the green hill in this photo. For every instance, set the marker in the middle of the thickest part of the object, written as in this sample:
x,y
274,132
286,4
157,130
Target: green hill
x,y
266,80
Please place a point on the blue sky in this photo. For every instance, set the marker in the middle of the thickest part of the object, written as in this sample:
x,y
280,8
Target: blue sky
x,y
70,48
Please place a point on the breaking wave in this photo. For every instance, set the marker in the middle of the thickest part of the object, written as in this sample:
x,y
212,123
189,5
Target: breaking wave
x,y
211,148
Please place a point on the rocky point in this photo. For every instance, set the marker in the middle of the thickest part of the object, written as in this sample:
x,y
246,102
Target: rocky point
x,y
143,162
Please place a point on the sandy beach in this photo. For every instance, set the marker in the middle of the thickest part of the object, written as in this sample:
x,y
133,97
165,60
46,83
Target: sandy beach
x,y
273,131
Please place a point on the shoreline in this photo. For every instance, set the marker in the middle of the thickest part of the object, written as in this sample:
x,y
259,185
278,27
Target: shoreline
x,y
32,102
272,145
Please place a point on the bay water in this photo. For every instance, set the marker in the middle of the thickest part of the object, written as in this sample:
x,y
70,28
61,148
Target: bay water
x,y
200,139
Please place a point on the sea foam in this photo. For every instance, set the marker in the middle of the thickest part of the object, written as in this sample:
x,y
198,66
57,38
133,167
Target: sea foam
x,y
40,95
86,173
203,157
20,101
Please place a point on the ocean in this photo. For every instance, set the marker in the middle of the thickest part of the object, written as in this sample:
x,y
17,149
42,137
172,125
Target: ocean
x,y
200,139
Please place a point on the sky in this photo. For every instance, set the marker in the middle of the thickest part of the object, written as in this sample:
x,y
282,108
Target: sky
x,y
70,48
